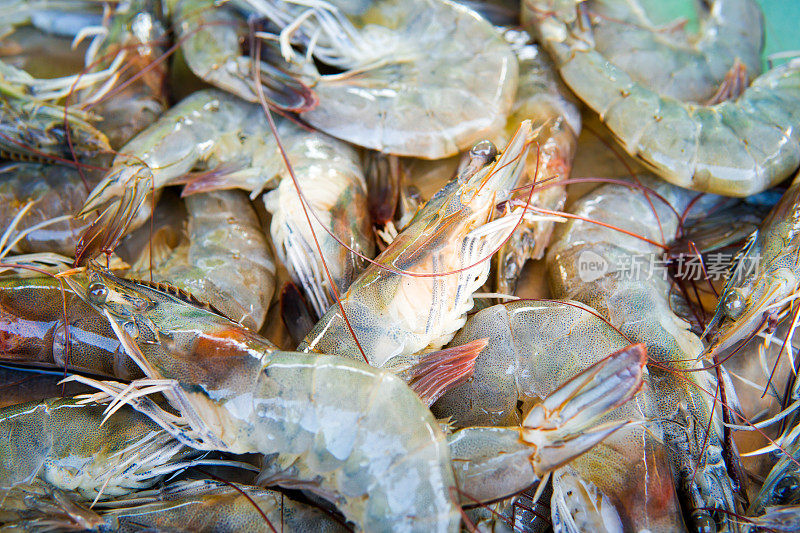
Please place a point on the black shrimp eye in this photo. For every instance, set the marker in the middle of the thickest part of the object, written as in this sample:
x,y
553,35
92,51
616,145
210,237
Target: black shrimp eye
x,y
484,151
786,491
97,292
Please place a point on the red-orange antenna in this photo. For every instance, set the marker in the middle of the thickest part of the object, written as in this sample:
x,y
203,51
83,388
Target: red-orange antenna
x,y
680,373
633,176
247,496
303,202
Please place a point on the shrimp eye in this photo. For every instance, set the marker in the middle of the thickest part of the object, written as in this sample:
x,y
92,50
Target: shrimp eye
x,y
786,491
97,292
140,304
703,522
484,151
735,303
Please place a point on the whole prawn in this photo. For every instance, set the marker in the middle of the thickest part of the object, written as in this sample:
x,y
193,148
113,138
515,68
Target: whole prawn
x,y
188,133
223,260
535,345
237,393
426,78
230,139
619,228
395,315
732,147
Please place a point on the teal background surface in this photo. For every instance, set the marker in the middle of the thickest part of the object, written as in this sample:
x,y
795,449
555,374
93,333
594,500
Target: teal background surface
x,y
782,22
782,25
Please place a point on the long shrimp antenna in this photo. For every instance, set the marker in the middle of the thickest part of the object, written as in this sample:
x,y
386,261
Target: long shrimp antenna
x,y
631,173
247,496
303,203
681,374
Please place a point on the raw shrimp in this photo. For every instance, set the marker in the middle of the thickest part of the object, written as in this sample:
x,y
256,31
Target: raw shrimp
x,y
137,33
321,419
221,132
623,277
203,125
209,35
223,260
534,346
66,445
56,191
206,505
765,279
735,147
427,78
494,462
32,331
395,315
330,177
215,130
556,120
337,426
671,62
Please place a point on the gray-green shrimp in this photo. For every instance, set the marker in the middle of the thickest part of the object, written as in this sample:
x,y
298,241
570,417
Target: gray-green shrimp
x,y
736,147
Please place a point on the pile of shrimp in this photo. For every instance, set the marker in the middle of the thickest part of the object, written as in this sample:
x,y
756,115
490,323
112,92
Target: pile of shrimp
x,y
384,265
